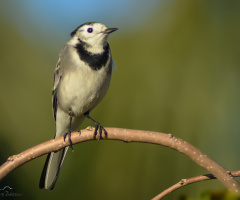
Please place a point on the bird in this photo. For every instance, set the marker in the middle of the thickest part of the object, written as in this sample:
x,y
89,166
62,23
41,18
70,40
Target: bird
x,y
81,80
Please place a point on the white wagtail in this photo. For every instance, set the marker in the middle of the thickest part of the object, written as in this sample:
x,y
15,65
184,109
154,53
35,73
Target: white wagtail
x,y
81,80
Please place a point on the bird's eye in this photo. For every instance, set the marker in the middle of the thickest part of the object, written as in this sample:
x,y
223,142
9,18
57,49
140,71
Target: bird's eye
x,y
90,30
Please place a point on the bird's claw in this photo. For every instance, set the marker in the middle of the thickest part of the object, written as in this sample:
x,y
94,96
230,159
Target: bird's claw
x,y
99,128
69,139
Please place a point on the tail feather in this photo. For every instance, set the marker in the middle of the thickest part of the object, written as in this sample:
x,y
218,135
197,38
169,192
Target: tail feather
x,y
52,169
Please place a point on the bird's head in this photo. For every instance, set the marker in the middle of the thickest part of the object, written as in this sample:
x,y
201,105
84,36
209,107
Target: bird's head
x,y
92,35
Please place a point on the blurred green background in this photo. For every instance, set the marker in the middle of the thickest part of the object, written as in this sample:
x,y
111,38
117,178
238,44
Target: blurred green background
x,y
178,71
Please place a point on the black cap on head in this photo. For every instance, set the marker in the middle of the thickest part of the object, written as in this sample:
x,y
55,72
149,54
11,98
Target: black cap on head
x,y
87,23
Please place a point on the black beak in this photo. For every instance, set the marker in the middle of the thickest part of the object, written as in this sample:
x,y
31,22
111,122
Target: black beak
x,y
110,30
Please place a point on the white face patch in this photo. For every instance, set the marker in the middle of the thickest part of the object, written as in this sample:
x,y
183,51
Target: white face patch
x,y
94,35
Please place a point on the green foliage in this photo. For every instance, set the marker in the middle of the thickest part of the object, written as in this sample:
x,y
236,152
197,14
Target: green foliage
x,y
219,195
213,195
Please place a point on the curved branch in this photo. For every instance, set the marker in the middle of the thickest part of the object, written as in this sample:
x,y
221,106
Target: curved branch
x,y
125,135
188,181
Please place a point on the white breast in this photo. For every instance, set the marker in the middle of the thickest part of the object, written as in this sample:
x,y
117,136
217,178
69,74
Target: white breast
x,y
82,88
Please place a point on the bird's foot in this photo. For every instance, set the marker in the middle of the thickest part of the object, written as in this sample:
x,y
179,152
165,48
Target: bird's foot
x,y
69,139
100,129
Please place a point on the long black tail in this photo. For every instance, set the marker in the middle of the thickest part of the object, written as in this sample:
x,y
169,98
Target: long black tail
x,y
52,169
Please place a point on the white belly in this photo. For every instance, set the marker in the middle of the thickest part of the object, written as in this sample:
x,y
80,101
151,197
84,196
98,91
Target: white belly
x,y
81,90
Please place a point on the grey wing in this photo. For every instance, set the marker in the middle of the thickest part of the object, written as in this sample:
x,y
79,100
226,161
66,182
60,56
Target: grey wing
x,y
56,80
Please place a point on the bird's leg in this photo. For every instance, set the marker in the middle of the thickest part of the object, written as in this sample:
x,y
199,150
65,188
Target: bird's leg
x,y
97,127
71,114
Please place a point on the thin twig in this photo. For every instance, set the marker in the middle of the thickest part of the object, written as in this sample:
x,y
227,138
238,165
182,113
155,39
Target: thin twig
x,y
125,135
188,181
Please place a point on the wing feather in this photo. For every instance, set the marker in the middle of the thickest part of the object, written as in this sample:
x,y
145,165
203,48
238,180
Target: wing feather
x,y
56,80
